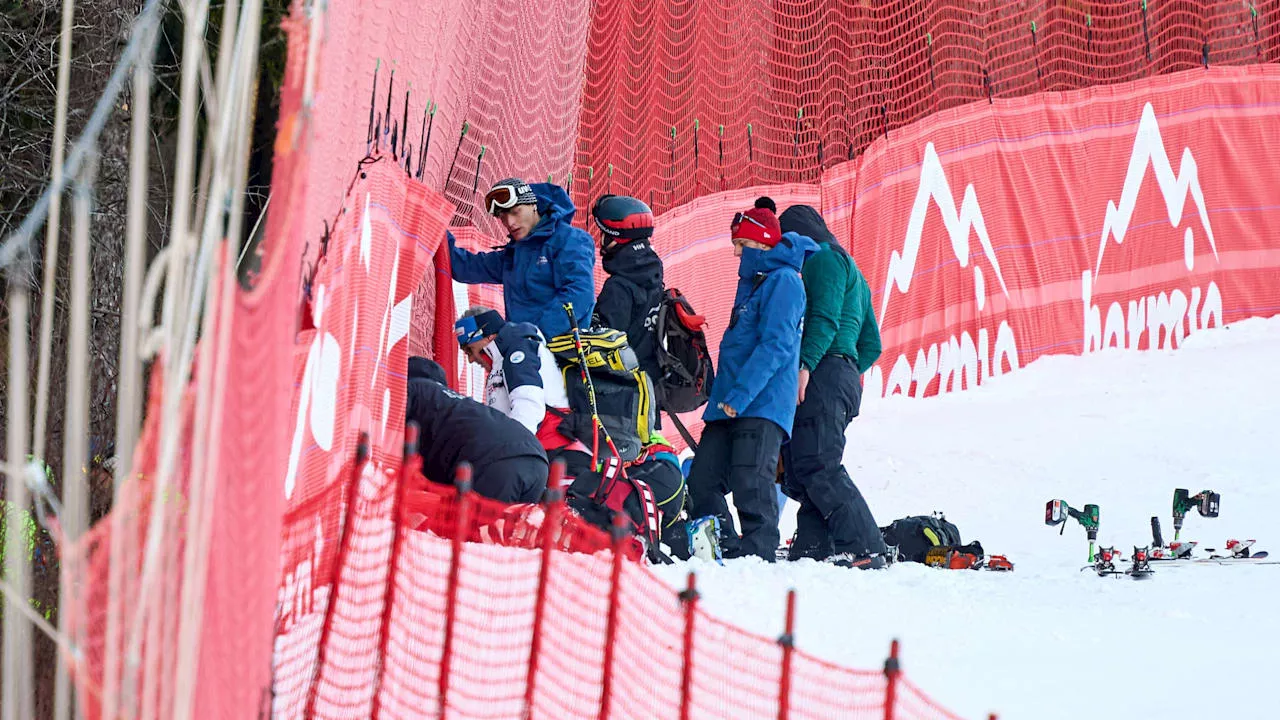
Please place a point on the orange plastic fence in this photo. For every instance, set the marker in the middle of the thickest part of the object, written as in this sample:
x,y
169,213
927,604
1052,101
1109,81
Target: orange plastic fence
x,y
475,609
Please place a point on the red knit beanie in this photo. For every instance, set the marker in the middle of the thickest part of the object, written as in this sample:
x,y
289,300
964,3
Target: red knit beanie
x,y
760,223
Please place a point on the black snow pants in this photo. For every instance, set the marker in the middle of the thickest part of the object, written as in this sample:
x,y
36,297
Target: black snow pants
x,y
519,479
739,456
833,516
667,483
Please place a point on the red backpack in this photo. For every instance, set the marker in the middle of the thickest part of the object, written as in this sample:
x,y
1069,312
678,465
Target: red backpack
x,y
683,359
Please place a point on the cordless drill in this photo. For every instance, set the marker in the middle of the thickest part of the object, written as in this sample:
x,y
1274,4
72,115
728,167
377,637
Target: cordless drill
x,y
1205,502
1056,512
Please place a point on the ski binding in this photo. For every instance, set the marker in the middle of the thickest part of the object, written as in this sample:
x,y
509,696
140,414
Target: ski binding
x,y
1105,564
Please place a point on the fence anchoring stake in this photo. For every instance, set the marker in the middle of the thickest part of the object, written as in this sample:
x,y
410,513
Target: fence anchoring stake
x,y
788,643
463,523
689,601
891,671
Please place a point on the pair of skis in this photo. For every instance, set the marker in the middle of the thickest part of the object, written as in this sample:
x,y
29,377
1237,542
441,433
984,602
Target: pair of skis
x,y
1178,552
1234,552
1107,562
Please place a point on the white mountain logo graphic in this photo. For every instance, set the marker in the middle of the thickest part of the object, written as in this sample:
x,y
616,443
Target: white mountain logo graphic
x,y
972,352
1164,317
1148,150
934,187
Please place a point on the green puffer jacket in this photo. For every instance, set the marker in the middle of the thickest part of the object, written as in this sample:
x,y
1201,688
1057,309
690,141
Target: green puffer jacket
x,y
839,318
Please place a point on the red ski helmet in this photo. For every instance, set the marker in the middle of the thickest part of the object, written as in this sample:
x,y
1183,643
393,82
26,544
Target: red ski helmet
x,y
621,219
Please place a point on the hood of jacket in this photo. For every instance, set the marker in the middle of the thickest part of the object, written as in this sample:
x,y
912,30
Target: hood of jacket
x,y
555,208
790,253
635,261
804,220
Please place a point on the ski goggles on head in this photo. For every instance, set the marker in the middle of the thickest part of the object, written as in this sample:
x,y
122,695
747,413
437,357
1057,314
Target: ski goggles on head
x,y
506,196
741,217
477,327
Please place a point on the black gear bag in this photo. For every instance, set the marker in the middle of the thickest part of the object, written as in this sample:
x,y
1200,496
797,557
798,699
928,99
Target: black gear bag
x,y
914,536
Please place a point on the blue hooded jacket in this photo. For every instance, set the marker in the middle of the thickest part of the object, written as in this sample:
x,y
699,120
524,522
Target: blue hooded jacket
x,y
759,364
553,265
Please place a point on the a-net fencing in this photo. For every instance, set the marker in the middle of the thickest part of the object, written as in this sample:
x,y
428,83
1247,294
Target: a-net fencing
x,y
401,599
686,98
669,101
1014,180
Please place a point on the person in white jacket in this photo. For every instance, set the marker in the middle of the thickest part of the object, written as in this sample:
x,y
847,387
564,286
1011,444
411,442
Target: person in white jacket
x,y
526,384
524,380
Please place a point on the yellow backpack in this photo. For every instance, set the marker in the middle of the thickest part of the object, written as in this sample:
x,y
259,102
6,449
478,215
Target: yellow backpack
x,y
624,392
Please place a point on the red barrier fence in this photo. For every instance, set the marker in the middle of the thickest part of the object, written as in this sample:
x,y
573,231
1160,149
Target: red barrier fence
x,y
913,210
691,97
673,100
1128,216
1077,247
496,611
393,603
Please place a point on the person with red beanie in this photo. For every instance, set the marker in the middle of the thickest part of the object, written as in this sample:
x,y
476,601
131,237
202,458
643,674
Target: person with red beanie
x,y
753,401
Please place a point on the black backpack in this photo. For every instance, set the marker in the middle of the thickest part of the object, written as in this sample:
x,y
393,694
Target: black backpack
x,y
915,535
687,372
624,392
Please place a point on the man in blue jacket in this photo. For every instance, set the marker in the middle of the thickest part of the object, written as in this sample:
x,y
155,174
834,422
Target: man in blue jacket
x,y
546,264
753,400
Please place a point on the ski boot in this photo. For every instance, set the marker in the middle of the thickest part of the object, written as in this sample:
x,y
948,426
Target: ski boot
x,y
784,550
874,561
704,539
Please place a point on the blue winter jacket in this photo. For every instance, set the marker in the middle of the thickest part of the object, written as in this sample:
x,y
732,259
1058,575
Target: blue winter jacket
x,y
553,265
759,365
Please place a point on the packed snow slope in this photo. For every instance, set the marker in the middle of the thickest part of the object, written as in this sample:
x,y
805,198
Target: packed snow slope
x,y
1118,428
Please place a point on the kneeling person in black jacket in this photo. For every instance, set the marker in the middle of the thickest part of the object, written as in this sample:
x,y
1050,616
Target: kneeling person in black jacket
x,y
508,463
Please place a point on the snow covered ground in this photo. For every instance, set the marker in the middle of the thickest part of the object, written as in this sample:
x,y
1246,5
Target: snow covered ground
x,y
1121,429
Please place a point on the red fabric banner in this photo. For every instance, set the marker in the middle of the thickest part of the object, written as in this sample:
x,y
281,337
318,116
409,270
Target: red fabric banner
x,y
1125,216
347,368
991,235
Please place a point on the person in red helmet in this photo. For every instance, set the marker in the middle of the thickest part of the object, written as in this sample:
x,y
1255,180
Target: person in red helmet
x,y
632,294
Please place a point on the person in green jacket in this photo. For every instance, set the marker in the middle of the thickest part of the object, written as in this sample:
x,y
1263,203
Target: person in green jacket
x,y
841,341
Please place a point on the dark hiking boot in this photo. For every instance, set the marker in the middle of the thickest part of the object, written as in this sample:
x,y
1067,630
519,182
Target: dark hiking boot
x,y
874,561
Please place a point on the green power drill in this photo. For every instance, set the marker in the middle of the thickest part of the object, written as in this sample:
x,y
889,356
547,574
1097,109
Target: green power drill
x,y
1056,512
1205,501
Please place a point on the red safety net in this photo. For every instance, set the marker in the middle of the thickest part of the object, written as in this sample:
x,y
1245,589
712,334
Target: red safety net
x,y
688,97
900,121
991,237
489,89
178,583
401,599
